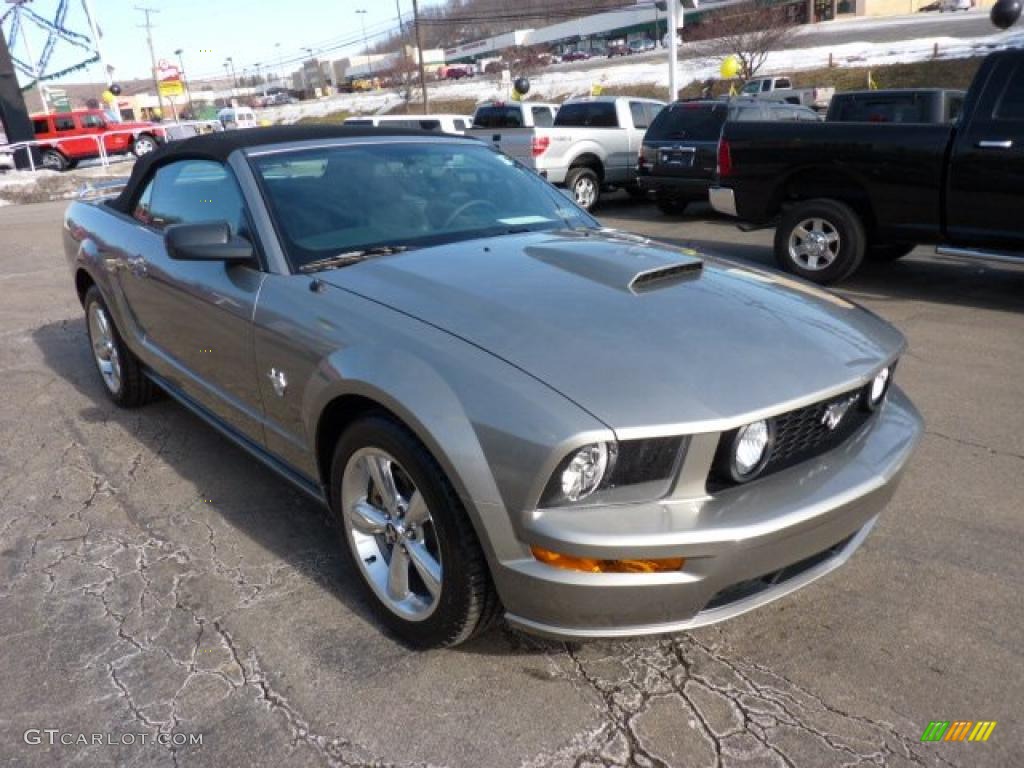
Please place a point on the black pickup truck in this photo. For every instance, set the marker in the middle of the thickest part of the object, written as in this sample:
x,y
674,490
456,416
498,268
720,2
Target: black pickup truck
x,y
840,192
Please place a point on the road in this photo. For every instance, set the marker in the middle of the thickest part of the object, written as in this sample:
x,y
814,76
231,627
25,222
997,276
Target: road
x,y
155,578
876,30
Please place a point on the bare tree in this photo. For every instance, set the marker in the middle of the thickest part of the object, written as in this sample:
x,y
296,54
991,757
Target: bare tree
x,y
749,31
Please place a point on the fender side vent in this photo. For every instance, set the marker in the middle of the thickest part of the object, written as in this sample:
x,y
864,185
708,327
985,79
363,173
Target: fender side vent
x,y
653,279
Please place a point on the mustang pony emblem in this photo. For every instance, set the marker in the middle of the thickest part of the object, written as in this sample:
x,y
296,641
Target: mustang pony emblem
x,y
835,413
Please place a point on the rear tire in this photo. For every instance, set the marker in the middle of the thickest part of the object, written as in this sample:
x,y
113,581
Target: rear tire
x,y
820,240
120,371
463,602
55,160
585,186
890,252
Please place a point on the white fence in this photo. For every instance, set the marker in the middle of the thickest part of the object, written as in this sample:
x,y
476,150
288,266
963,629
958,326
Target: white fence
x,y
170,132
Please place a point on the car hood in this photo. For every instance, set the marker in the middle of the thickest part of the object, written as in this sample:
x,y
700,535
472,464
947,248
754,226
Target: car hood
x,y
642,335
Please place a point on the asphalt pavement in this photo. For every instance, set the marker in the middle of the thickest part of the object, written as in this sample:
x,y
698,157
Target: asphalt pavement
x,y
155,579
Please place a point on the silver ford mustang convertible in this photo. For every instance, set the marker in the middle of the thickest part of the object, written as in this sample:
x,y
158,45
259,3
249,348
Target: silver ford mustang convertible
x,y
510,410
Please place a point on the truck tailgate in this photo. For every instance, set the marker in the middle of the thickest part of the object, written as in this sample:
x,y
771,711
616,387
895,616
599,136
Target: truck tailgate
x,y
514,142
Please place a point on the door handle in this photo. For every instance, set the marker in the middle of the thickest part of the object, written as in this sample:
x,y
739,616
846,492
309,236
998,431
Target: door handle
x,y
990,144
138,266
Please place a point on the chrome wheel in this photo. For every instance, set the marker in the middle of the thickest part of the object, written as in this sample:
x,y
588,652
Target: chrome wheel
x,y
814,244
391,533
585,192
104,348
144,145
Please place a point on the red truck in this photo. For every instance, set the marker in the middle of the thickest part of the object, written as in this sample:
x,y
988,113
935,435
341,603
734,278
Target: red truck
x,y
71,136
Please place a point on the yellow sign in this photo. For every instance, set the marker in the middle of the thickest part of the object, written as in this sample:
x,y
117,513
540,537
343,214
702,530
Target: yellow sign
x,y
171,88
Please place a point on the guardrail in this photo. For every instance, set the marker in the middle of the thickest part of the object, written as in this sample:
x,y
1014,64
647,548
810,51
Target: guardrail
x,y
168,132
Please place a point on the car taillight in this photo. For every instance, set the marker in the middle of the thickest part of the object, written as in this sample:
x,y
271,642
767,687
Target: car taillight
x,y
539,145
641,161
724,159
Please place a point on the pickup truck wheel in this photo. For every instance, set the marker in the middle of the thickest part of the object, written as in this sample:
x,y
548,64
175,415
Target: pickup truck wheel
x,y
888,252
585,186
143,145
820,240
55,160
119,369
409,537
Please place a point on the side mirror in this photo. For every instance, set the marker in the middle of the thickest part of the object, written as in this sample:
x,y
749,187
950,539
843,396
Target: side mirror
x,y
207,241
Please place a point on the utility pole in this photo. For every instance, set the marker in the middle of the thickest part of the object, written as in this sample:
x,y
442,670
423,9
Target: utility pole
x,y
673,46
366,45
148,26
419,56
97,44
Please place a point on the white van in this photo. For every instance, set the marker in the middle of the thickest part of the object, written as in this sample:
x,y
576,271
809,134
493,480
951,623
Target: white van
x,y
237,117
457,124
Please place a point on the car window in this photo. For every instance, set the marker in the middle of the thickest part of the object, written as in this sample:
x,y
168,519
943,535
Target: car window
x,y
41,126
653,110
498,117
783,82
752,87
64,123
766,85
807,115
639,114
782,113
92,121
460,125
954,107
358,122
542,117
331,200
588,114
191,191
747,114
894,108
699,122
1011,103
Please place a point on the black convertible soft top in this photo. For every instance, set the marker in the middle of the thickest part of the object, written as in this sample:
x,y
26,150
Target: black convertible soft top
x,y
217,146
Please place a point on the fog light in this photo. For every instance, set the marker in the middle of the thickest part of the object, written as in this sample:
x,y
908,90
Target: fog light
x,y
879,386
585,471
596,565
750,449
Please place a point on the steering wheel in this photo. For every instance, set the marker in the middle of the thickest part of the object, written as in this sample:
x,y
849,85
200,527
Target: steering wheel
x,y
465,207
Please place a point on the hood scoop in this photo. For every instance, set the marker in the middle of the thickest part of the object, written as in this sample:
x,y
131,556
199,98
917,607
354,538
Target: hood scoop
x,y
626,264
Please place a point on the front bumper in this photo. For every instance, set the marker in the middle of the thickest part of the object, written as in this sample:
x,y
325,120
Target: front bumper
x,y
744,547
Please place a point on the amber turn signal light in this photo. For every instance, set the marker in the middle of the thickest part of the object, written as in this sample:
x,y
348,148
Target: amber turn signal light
x,y
595,565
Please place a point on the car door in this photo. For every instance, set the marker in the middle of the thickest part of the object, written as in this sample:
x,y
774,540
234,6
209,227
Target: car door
x,y
195,317
986,175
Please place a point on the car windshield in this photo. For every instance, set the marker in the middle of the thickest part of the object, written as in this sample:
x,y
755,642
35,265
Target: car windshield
x,y
340,199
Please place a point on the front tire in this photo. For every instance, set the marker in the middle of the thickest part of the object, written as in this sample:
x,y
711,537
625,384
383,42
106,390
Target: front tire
x,y
143,145
409,536
820,240
585,186
120,371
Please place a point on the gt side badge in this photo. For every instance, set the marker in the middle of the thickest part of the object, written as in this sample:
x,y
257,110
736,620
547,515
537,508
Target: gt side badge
x,y
279,380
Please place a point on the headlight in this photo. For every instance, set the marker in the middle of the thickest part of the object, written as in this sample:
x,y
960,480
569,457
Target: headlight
x,y
586,470
750,450
615,473
879,386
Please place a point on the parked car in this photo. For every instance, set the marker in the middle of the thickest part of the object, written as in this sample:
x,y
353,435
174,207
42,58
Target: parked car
x,y
508,408
575,56
621,49
898,105
679,154
238,117
842,191
454,124
641,46
66,137
955,5
781,89
455,72
593,145
511,114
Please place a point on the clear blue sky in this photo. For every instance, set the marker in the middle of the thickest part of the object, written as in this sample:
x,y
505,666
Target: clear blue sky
x,y
211,30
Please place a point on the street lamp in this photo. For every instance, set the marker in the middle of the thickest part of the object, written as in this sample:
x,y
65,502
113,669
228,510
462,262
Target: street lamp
x,y
366,45
188,91
230,62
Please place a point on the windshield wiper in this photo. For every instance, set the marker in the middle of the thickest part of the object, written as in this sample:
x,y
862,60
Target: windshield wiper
x,y
352,257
